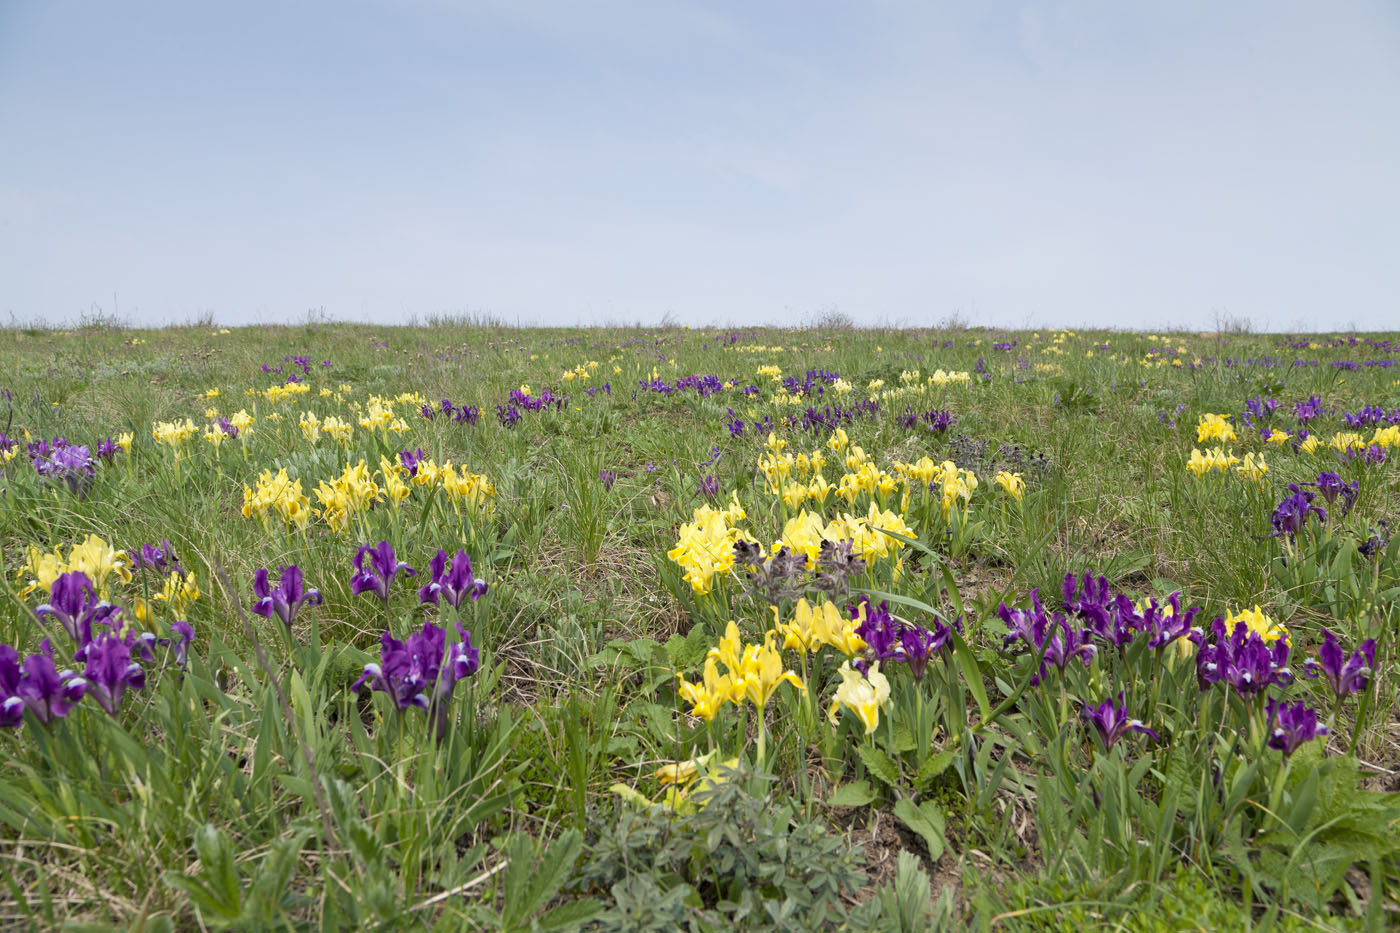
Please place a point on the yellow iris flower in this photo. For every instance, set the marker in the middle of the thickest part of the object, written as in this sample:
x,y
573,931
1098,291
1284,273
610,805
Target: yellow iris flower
x,y
862,694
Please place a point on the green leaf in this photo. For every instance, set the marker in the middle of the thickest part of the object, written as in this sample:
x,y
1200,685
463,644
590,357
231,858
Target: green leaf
x,y
215,851
879,764
927,820
932,767
854,794
569,916
972,675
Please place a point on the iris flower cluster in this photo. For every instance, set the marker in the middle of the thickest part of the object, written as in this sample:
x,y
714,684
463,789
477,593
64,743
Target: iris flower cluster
x,y
286,598
1240,657
1331,487
422,671
1291,515
462,414
70,465
108,649
890,638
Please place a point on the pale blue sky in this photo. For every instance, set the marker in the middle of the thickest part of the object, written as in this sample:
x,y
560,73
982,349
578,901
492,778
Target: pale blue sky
x,y
1061,163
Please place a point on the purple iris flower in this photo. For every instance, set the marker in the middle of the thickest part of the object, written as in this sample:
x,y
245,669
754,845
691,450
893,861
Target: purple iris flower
x,y
463,660
409,459
110,671
1308,409
70,463
1111,618
181,634
879,630
607,478
1330,485
11,704
1291,515
1243,660
453,583
1110,720
1377,540
286,599
1168,623
383,567
1039,631
709,486
1291,726
1346,675
919,644
409,671
158,557
508,415
107,449
42,689
74,603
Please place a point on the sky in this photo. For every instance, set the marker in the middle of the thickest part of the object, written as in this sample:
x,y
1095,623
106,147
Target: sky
x,y
1119,163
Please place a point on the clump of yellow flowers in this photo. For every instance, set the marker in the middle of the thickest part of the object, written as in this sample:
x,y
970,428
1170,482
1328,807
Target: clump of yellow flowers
x,y
1213,428
95,557
178,593
379,416
754,672
1262,625
348,494
276,394
1253,468
278,495
811,629
1011,483
1214,459
174,434
706,545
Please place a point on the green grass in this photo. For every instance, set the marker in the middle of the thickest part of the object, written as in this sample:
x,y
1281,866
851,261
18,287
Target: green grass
x,y
255,791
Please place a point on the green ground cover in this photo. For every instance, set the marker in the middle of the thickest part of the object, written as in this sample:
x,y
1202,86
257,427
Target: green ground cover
x,y
706,629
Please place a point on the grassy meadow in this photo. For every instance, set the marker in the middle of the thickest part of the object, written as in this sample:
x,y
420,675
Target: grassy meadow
x,y
335,626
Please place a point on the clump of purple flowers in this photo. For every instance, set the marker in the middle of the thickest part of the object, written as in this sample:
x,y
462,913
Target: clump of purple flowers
x,y
1111,722
934,421
1291,515
422,671
1049,636
410,459
109,651
286,598
463,414
890,638
1242,659
383,567
1261,409
1346,675
107,450
159,557
1331,486
1308,409
508,415
1291,725
452,583
545,399
37,686
73,603
62,462
607,478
